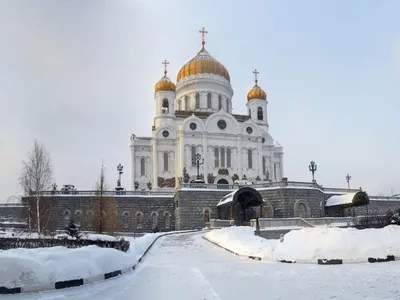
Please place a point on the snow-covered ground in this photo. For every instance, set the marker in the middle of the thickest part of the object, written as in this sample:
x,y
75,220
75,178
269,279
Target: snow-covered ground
x,y
26,267
186,266
310,244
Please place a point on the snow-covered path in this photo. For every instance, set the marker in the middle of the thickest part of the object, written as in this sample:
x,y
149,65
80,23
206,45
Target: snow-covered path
x,y
185,267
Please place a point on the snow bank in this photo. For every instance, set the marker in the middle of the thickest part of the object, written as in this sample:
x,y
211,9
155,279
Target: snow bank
x,y
310,244
22,267
341,243
100,237
243,241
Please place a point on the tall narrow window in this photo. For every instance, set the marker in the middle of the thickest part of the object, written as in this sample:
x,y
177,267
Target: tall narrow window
x,y
249,113
197,100
206,216
260,114
219,102
209,100
154,220
142,166
222,157
227,104
263,164
139,221
186,103
193,155
179,104
165,106
216,157
167,221
165,161
275,172
250,158
228,157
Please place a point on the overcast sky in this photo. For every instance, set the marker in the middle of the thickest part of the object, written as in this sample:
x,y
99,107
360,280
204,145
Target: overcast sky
x,y
79,77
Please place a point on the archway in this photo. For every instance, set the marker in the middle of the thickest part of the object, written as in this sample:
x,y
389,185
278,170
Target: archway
x,y
240,205
222,181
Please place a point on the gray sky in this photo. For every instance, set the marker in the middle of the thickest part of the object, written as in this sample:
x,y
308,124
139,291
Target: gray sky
x,y
79,77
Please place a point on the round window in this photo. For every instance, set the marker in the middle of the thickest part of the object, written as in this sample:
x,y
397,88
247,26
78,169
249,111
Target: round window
x,y
249,130
193,126
221,124
165,133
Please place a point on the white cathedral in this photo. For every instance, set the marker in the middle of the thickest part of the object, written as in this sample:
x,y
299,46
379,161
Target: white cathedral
x,y
195,117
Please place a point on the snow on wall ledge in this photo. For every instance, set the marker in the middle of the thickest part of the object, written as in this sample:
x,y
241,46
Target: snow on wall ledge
x,y
312,244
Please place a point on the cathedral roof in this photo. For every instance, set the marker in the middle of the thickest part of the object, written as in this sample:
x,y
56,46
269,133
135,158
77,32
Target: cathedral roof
x,y
203,63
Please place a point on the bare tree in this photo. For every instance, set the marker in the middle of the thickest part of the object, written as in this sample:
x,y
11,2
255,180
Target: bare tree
x,y
36,177
101,188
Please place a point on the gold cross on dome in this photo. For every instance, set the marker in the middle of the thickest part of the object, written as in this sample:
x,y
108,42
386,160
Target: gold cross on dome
x,y
255,72
203,32
165,63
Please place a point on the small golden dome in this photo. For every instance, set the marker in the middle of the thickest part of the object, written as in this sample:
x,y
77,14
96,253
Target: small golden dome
x,y
165,84
256,92
203,63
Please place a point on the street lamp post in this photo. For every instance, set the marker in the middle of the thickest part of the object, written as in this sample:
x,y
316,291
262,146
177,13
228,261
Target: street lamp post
x,y
196,161
313,168
348,177
120,168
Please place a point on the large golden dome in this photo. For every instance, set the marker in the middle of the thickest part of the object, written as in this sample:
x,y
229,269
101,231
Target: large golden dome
x,y
203,63
256,92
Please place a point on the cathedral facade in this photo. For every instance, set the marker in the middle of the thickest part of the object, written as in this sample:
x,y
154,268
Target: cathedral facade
x,y
194,122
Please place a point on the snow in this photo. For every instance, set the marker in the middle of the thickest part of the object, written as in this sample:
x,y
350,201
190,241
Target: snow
x,y
243,241
186,266
22,267
310,244
101,237
340,199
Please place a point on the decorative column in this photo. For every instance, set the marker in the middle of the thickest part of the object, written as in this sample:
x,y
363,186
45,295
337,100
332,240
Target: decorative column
x,y
132,167
260,173
155,165
205,155
239,156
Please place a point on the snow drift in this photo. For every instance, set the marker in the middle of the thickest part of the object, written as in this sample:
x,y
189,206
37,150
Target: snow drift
x,y
22,267
310,244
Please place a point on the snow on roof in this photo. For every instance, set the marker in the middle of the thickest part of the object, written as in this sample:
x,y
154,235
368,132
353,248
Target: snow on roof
x,y
227,198
340,199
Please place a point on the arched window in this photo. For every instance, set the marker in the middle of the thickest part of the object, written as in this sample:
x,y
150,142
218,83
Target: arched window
x,y
227,104
222,157
67,215
139,221
260,114
197,100
167,220
250,158
228,157
301,210
209,100
193,155
249,113
275,172
142,166
165,161
219,102
165,106
187,103
125,219
206,216
263,164
216,157
154,220
78,217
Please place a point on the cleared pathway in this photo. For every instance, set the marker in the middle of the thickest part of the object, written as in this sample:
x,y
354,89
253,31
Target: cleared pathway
x,y
183,267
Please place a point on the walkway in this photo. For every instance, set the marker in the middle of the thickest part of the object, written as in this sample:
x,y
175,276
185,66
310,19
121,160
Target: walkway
x,y
183,267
